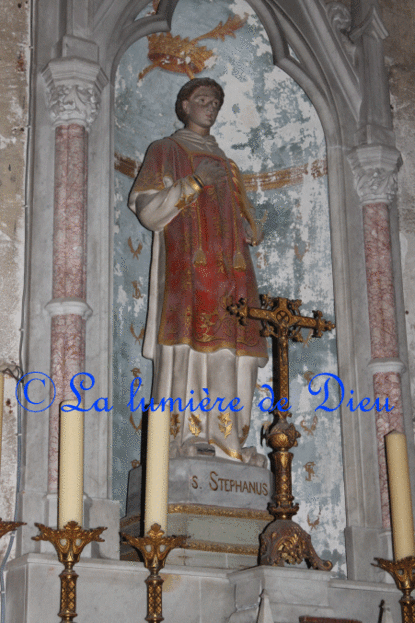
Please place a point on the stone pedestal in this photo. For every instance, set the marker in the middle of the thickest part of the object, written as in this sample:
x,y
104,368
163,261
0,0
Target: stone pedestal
x,y
208,481
221,505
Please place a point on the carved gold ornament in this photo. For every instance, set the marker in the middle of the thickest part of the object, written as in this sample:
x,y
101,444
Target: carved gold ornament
x,y
9,526
225,424
185,56
195,426
286,542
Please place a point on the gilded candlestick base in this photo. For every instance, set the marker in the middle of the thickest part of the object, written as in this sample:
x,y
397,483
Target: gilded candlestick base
x,y
68,543
154,547
9,526
284,541
403,572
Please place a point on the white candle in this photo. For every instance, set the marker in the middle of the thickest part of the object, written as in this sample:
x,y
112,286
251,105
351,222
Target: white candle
x,y
157,475
71,465
400,496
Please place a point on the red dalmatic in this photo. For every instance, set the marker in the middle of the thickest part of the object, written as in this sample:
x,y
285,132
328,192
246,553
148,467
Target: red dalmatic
x,y
208,263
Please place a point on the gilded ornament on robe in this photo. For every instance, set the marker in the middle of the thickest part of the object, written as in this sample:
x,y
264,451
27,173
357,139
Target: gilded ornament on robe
x,y
225,424
195,426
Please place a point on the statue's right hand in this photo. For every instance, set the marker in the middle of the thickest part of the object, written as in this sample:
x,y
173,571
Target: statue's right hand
x,y
210,171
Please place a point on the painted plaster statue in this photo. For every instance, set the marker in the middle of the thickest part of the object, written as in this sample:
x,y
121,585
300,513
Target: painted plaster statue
x,y
193,198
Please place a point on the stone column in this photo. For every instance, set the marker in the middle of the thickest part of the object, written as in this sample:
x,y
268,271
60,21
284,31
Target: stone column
x,y
74,89
375,168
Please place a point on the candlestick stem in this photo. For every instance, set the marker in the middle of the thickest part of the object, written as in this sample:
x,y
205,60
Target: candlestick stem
x,y
154,547
403,572
68,542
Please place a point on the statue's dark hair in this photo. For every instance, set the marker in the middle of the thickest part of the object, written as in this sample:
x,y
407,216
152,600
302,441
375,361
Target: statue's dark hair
x,y
191,86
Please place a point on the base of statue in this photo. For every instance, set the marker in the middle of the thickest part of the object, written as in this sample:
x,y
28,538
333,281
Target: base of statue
x,y
220,504
210,481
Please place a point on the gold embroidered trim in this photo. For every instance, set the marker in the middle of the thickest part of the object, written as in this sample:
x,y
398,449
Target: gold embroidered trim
x,y
232,453
205,510
245,432
239,352
205,546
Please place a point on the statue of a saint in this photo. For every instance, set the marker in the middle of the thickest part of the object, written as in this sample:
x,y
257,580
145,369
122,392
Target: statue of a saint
x,y
193,198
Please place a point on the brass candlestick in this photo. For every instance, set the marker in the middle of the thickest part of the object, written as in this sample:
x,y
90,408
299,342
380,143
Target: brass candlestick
x,y
154,547
9,526
283,540
403,572
69,543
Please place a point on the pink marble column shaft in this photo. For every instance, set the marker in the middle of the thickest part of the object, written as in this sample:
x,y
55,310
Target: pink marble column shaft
x,y
383,334
69,272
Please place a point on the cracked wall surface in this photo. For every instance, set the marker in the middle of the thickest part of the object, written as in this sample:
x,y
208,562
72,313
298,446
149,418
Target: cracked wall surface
x,y
14,62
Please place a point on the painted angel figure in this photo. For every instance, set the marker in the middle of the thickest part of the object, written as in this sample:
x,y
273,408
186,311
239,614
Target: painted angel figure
x,y
193,198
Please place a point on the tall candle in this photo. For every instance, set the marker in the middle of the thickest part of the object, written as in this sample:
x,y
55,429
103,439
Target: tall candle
x,y
157,476
400,496
71,465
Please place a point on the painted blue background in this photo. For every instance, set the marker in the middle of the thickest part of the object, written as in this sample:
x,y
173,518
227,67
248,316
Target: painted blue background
x,y
267,123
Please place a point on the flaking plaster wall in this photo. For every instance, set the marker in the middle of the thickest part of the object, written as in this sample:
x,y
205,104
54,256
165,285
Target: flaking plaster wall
x,y
14,106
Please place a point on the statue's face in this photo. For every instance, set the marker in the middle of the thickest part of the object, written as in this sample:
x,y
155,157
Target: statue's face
x,y
201,109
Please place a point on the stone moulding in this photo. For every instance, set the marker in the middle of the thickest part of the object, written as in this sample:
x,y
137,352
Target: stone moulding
x,y
68,305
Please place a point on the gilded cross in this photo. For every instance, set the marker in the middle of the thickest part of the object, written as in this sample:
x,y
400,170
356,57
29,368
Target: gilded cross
x,y
282,321
283,540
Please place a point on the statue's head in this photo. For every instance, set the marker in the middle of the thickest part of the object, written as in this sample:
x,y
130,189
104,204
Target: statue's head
x,y
190,87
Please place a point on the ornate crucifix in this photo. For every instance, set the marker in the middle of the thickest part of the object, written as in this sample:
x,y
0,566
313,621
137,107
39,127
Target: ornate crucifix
x,y
283,540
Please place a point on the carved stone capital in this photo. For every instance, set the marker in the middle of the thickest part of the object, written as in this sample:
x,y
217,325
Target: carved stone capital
x,y
341,21
339,16
375,169
74,90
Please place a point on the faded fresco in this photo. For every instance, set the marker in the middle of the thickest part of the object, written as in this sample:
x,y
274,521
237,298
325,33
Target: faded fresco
x,y
271,130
